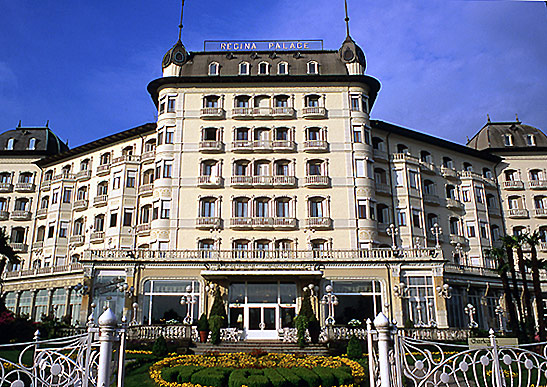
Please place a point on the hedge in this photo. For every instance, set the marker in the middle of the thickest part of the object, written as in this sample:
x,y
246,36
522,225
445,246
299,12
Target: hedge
x,y
211,377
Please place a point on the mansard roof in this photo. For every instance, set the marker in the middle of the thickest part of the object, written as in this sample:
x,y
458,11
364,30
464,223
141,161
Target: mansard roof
x,y
47,143
492,137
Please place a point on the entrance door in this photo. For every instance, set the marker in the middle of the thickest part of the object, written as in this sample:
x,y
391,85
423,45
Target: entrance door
x,y
261,322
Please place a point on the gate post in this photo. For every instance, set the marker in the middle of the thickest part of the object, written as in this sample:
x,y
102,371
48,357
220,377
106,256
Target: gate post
x,y
107,336
371,358
382,325
121,358
496,360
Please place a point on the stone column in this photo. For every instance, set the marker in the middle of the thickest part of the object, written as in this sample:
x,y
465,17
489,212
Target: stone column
x,y
17,301
68,293
440,302
50,301
396,302
33,305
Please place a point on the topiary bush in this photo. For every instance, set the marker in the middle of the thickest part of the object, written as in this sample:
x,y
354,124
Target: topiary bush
x,y
308,376
218,309
215,324
327,377
276,379
354,350
185,374
291,377
343,376
212,377
159,349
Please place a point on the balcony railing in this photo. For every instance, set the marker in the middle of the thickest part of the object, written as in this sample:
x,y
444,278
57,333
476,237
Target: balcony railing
x,y
315,146
212,113
380,154
283,112
25,187
211,146
143,229
262,112
19,247
80,205
83,175
6,187
404,157
4,215
65,176
512,185
242,146
206,223
133,159
316,181
146,189
263,223
540,212
37,245
43,271
432,199
543,246
428,167
242,113
148,157
103,169
538,184
449,173
97,237
455,204
517,213
41,213
383,188
100,201
314,112
46,185
76,240
455,239
284,181
319,223
241,181
262,145
470,175
210,181
21,215
283,145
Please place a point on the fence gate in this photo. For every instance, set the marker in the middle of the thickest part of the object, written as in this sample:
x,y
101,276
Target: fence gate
x,y
83,360
407,362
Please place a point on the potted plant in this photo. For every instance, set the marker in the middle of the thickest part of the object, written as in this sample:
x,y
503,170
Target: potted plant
x,y
203,328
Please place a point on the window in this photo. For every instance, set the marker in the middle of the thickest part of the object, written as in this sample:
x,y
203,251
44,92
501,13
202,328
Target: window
x,y
471,230
211,101
313,67
44,203
25,177
399,178
67,194
244,68
161,108
360,168
105,159
84,165
242,101
539,202
207,208
530,140
9,144
21,205
484,230
366,136
416,218
283,68
479,193
5,178
536,175
81,194
241,207
113,219
128,217
167,169
401,217
312,101
448,162
160,137
156,210
99,223
169,135
378,144
402,148
55,197
102,188
213,68
357,134
63,229
316,207
262,207
131,178
432,220
465,195
508,140
361,209
467,167
491,201
51,231
116,181
281,101
495,231
426,157
31,144
263,68
429,188
454,226
355,103
79,227
413,179
282,208
513,202
171,104
165,209
451,192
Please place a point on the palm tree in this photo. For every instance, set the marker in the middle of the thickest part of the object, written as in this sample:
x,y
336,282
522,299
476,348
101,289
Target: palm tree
x,y
499,256
533,240
6,255
529,321
509,242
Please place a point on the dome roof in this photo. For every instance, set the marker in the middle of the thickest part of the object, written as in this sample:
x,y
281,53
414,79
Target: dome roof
x,y
350,52
176,55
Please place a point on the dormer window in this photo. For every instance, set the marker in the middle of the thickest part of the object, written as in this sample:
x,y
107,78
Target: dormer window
x,y
31,144
263,68
508,140
9,144
530,140
283,68
313,67
214,68
244,68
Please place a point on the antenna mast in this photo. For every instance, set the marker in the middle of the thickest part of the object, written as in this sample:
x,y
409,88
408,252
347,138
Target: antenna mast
x,y
347,17
180,25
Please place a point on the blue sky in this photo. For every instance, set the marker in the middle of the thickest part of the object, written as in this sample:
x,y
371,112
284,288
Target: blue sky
x,y
443,64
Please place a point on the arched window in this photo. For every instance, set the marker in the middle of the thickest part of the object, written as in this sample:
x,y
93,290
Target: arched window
x,y
79,227
540,202
210,134
312,100
316,207
206,246
98,224
283,68
315,168
467,167
17,235
150,145
25,177
543,234
207,207
450,192
536,174
244,68
241,207
431,220
429,187
105,158
402,148
242,101
21,205
281,101
282,208
145,214
510,175
262,168
127,151
313,67
454,226
282,168
486,172
3,207
241,168
148,176
5,178
9,144
81,194
448,162
240,248
378,144
514,202
44,202
102,188
519,230
426,157
380,176
262,101
263,68
31,144
283,244
214,68
40,233
84,165
491,201
211,101
262,207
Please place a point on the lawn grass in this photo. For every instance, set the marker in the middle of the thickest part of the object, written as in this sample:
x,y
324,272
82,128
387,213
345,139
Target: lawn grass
x,y
139,377
13,356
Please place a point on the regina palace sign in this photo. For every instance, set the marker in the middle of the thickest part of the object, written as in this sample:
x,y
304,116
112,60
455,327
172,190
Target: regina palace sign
x,y
262,45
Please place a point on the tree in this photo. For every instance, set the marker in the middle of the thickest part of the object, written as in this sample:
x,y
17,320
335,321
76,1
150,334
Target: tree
x,y
509,243
529,321
499,256
218,309
533,240
6,255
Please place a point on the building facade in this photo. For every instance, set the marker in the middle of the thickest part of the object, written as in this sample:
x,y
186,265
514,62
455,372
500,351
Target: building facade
x,y
265,177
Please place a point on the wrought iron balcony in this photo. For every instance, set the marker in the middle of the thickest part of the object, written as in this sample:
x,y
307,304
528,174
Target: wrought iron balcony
x,y
314,112
212,113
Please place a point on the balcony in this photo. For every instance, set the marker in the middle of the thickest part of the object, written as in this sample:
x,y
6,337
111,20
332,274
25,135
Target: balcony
x,y
449,173
262,112
315,146
283,112
428,168
284,223
383,189
494,212
210,181
126,159
380,155
241,223
404,157
242,146
283,146
455,239
262,145
4,215
258,223
212,113
103,170
314,113
25,187
284,181
37,245
454,204
319,223
6,187
208,223
471,175
41,213
97,237
146,189
241,181
512,185
100,201
316,181
143,229
538,184
21,215
148,157
65,176
262,181
76,240
19,247
242,113
517,213
211,146
540,212
432,199
83,175
46,185
80,205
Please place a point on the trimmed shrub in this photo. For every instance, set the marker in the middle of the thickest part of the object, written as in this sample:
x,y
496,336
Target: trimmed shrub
x,y
185,373
354,350
171,374
276,379
308,376
213,377
203,324
343,376
215,323
291,377
248,377
218,309
159,349
327,377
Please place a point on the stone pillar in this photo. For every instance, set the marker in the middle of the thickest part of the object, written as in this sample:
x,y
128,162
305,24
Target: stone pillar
x,y
33,305
440,302
50,300
396,302
17,301
68,293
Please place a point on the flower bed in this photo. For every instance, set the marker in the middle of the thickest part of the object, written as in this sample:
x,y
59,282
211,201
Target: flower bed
x,y
243,369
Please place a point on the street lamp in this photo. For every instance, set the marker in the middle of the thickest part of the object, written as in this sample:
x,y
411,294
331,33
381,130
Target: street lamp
x,y
499,311
188,300
393,231
458,252
135,306
400,290
437,231
444,291
331,301
470,310
432,322
420,322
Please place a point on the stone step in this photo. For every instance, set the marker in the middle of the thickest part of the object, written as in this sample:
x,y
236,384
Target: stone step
x,y
270,347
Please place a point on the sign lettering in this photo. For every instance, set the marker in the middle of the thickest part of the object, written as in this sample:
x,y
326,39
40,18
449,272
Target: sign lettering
x,y
262,45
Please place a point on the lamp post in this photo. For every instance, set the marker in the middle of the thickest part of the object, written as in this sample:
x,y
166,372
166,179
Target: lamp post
x,y
400,290
431,305
420,322
188,300
470,310
331,301
437,231
458,252
444,291
499,311
135,306
393,231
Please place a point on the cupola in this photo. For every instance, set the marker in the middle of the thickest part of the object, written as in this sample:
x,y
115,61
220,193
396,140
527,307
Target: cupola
x,y
350,53
176,56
